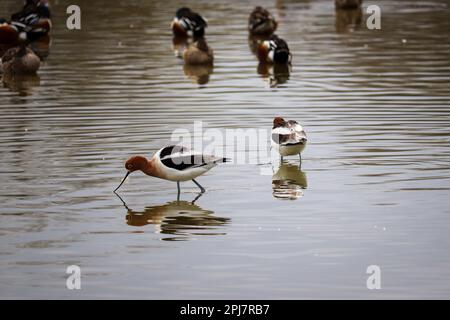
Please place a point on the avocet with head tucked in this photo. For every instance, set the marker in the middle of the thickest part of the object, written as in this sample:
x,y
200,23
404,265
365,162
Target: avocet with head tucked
x,y
288,137
173,163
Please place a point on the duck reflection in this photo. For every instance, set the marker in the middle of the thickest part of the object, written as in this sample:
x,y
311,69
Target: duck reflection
x,y
289,182
198,73
274,74
181,219
285,7
23,84
348,20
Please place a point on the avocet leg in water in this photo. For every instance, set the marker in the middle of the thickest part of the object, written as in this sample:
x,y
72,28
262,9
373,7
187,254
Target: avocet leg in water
x,y
288,137
173,163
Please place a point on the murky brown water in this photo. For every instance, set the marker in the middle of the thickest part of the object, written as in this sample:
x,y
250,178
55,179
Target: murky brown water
x,y
374,186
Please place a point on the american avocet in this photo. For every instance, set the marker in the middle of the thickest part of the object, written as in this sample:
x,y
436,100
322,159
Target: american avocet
x,y
186,22
261,22
288,137
173,163
20,60
274,50
199,53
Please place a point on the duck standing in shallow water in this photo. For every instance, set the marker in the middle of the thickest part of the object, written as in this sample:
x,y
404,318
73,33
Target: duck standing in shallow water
x,y
20,60
288,137
173,163
198,53
186,22
261,22
274,50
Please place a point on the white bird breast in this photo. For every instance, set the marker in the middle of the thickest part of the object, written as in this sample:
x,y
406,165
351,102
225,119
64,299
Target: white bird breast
x,y
288,150
187,174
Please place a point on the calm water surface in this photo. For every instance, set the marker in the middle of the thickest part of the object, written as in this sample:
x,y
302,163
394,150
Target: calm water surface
x,y
373,189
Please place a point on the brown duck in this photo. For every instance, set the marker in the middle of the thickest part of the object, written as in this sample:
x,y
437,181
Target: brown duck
x,y
20,60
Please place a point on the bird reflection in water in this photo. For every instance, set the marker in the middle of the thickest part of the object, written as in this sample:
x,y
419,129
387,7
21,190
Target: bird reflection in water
x,y
348,20
180,219
24,84
198,73
289,182
274,74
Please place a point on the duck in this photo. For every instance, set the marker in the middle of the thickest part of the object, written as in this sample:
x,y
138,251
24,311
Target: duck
x,y
288,137
274,50
173,163
9,33
198,53
261,22
187,22
20,60
347,4
34,19
198,73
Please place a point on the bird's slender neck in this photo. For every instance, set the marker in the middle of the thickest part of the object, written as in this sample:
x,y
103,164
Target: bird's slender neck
x,y
149,168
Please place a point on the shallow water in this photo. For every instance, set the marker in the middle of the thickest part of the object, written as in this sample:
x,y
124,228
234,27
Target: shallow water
x,y
373,188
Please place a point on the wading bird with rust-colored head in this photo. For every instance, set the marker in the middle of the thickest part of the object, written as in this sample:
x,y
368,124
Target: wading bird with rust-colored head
x,y
288,137
173,163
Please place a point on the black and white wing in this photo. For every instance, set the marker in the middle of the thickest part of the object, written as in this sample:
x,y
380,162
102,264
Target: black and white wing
x,y
298,129
289,135
181,158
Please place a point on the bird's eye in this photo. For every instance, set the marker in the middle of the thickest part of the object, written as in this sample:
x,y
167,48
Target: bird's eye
x,y
129,166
